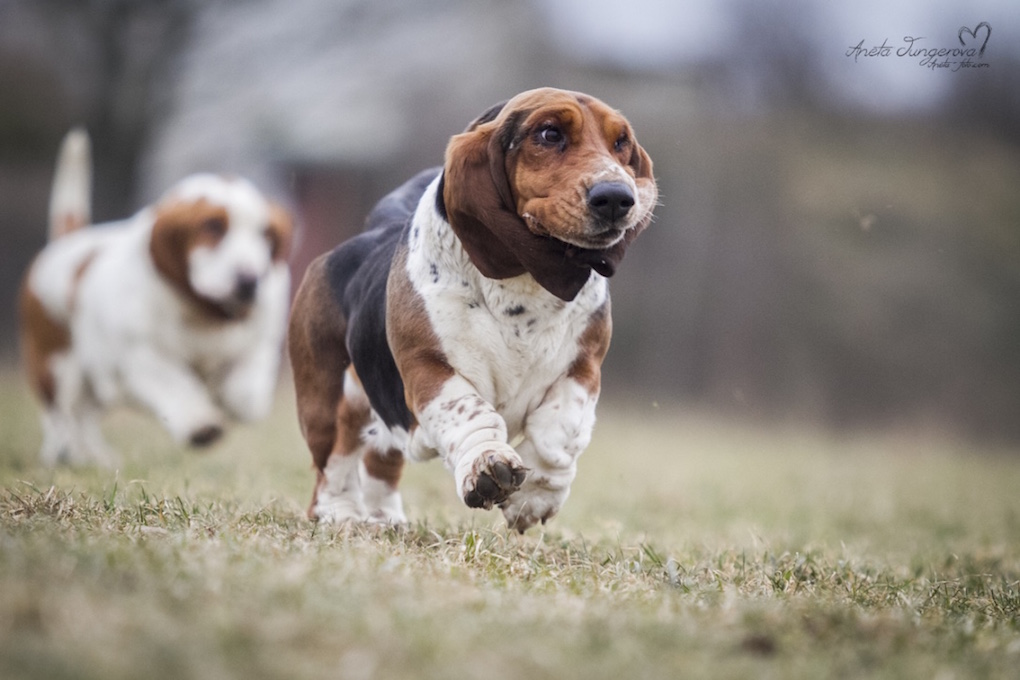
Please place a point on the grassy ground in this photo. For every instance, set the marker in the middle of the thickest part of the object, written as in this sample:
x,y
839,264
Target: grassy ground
x,y
690,548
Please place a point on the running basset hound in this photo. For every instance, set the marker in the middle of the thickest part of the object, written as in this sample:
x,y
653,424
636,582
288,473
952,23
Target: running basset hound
x,y
470,320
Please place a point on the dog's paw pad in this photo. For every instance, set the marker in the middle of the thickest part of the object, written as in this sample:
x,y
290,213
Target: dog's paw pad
x,y
494,484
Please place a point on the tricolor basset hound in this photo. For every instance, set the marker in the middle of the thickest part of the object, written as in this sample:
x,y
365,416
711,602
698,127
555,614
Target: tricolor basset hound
x,y
470,320
181,308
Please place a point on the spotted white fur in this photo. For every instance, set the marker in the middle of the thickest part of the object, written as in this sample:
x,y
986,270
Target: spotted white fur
x,y
510,343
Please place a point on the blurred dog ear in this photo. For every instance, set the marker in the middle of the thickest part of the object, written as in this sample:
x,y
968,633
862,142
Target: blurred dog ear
x,y
280,233
177,228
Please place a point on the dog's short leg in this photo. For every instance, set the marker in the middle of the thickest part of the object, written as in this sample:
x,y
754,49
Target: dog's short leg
x,y
471,437
174,394
380,476
58,424
338,495
556,433
71,420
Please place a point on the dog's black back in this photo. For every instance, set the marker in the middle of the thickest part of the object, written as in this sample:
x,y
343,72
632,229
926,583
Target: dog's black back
x,y
357,271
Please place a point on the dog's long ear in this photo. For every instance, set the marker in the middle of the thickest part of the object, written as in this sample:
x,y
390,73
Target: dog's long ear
x,y
176,229
280,232
642,164
173,231
487,116
640,161
477,199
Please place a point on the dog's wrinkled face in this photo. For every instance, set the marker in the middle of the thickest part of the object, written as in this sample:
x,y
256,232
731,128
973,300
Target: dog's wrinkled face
x,y
551,182
576,169
215,239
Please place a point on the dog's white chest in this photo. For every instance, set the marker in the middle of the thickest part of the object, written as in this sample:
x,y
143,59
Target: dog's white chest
x,y
510,338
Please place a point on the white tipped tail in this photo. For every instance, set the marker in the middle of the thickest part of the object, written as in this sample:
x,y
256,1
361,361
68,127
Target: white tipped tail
x,y
71,197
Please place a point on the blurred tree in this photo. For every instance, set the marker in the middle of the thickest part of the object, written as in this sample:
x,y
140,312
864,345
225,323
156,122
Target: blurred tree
x,y
104,64
113,60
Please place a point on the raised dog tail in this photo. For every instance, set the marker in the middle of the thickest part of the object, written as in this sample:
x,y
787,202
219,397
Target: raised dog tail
x,y
71,196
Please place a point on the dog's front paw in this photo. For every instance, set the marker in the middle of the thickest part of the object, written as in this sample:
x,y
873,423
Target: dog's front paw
x,y
536,501
492,478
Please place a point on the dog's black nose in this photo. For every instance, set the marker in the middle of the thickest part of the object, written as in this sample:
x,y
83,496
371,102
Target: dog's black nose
x,y
610,201
244,289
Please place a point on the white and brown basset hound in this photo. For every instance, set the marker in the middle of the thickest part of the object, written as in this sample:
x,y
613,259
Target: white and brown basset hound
x,y
181,308
470,320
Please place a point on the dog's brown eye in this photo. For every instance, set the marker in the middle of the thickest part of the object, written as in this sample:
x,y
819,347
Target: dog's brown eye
x,y
550,135
621,142
215,227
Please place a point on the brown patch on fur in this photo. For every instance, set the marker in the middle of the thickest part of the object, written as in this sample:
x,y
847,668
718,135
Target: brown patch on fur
x,y
594,343
280,232
416,349
41,338
315,342
318,356
385,466
65,224
178,229
514,200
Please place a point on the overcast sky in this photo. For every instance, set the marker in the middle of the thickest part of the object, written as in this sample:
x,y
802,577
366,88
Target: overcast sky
x,y
669,32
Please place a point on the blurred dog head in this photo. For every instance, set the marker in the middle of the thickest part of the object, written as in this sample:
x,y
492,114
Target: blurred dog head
x,y
215,239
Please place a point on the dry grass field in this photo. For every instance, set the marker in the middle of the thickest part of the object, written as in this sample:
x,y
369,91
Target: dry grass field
x,y
691,547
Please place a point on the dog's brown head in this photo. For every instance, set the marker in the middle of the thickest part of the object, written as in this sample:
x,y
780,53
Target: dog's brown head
x,y
215,239
552,183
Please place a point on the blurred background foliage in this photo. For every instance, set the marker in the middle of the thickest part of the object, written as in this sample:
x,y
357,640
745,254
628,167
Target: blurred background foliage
x,y
838,240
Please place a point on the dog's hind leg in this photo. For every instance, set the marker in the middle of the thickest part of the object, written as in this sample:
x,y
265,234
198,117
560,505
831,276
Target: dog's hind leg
x,y
338,491
71,420
331,422
357,458
360,476
382,464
